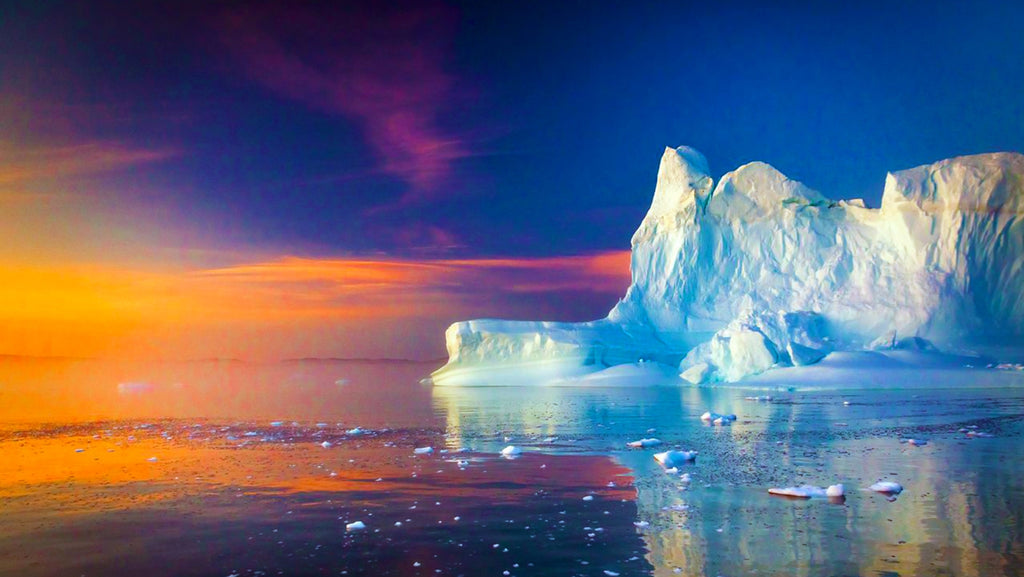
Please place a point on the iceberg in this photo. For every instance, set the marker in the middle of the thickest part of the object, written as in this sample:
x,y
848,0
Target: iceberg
x,y
760,271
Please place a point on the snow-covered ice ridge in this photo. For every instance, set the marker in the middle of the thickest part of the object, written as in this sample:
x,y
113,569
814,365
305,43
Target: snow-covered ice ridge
x,y
729,280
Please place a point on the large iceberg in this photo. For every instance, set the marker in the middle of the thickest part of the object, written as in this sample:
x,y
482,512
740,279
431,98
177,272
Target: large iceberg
x,y
758,271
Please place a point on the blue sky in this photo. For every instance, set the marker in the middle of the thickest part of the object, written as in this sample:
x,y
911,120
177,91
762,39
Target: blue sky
x,y
214,134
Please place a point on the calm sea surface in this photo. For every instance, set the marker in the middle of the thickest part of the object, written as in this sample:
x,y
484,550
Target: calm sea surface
x,y
223,468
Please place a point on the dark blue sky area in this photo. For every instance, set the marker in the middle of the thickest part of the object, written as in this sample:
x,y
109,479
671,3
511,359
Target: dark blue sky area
x,y
497,128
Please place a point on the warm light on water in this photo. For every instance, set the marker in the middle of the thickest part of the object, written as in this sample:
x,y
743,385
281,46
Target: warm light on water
x,y
219,468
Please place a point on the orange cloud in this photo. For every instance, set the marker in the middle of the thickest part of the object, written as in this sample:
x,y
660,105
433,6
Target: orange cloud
x,y
25,166
109,310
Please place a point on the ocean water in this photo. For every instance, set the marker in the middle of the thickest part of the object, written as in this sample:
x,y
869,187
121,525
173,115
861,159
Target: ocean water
x,y
225,468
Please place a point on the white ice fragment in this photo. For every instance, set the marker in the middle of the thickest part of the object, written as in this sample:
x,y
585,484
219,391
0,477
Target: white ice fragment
x,y
641,524
152,459
717,419
685,478
423,450
917,442
611,573
355,526
355,431
326,444
511,451
809,491
671,459
979,434
644,443
588,498
889,487
277,423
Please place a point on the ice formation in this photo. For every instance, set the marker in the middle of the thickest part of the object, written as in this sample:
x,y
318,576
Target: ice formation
x,y
759,271
672,459
644,443
809,491
888,487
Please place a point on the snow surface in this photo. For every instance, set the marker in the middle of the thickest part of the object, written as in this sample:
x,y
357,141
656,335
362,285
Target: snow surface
x,y
760,271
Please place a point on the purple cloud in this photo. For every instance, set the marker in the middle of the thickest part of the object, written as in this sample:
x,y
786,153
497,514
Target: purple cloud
x,y
382,68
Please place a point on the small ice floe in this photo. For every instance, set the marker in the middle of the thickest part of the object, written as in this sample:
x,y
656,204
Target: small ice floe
x,y
759,398
887,487
422,450
511,452
326,444
79,450
355,431
685,478
670,459
610,573
716,419
641,524
810,491
979,434
321,425
276,423
152,459
588,498
846,403
917,442
644,443
355,526
550,439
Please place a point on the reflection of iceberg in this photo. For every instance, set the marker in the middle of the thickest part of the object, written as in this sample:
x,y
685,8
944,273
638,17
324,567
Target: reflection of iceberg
x,y
761,271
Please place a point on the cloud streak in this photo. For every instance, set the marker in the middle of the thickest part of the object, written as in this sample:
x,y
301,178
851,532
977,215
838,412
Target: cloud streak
x,y
24,166
382,67
98,310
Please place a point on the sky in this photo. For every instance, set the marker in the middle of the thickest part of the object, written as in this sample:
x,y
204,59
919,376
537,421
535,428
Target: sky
x,y
265,180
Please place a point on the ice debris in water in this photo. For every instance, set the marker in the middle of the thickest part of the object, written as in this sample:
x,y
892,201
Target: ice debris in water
x,y
917,442
588,498
717,419
759,398
511,451
809,491
423,450
671,459
890,487
355,431
356,526
644,443
326,444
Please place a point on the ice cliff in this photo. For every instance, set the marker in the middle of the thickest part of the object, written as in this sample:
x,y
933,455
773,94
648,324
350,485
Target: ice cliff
x,y
758,271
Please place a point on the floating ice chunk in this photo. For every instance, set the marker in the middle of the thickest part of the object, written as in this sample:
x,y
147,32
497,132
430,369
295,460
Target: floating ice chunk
x,y
760,398
917,442
152,459
979,434
809,491
588,498
511,451
79,450
717,419
836,490
326,444
641,524
644,443
685,478
355,431
670,459
423,450
611,573
133,388
276,423
888,487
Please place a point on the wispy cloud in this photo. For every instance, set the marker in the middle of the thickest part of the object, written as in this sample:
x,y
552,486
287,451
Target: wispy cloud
x,y
25,166
81,309
379,66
